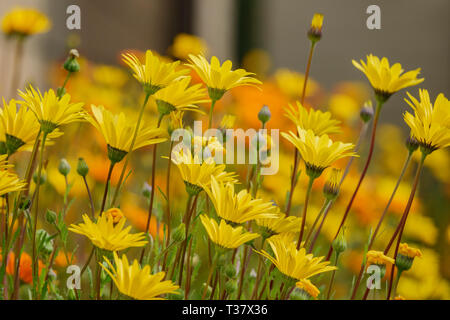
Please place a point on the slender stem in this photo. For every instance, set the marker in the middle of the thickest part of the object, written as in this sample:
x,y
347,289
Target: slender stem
x,y
397,280
363,174
105,193
36,214
90,197
211,270
130,150
17,66
152,192
98,279
64,84
213,103
243,268
362,134
313,241
372,240
319,215
305,208
169,220
402,223
330,286
87,262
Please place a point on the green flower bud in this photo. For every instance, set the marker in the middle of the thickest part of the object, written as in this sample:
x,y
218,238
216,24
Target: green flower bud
x,y
299,294
61,91
366,112
44,242
412,144
42,180
403,263
264,114
71,64
339,244
64,167
179,233
82,167
230,270
50,216
231,286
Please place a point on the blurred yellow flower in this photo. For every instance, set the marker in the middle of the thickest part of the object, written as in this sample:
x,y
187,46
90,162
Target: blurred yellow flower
x,y
179,96
106,235
378,258
109,76
318,152
154,74
308,287
281,224
51,111
9,182
430,124
406,250
291,83
185,44
319,122
292,262
224,234
137,282
240,207
387,80
24,22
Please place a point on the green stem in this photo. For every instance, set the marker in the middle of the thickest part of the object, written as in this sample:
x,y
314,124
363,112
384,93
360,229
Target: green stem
x,y
310,232
332,276
105,193
305,208
213,103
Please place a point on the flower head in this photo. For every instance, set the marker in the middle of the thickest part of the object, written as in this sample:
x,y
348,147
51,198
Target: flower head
x,y
179,96
318,152
317,121
240,207
197,175
107,235
115,214
378,258
154,74
19,127
296,264
315,31
387,80
332,185
24,22
308,287
224,234
50,110
9,182
408,251
118,132
137,282
220,78
430,124
281,224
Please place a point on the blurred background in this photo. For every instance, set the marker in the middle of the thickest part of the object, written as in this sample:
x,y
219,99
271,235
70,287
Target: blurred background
x,y
269,38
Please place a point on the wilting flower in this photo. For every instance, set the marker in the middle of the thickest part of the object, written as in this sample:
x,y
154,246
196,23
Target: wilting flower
x,y
430,125
107,235
405,256
197,175
318,152
387,80
154,74
24,22
224,234
294,263
9,182
118,132
219,78
137,282
378,258
317,121
19,127
281,224
51,111
185,44
179,96
240,207
310,289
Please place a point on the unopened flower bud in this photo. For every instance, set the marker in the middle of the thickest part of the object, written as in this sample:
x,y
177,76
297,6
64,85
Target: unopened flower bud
x,y
64,167
50,216
264,114
332,185
412,144
231,286
315,31
230,271
339,244
115,214
71,64
82,167
180,233
366,112
42,180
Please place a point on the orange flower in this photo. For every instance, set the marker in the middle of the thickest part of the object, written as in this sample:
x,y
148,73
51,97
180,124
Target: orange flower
x,y
25,270
115,213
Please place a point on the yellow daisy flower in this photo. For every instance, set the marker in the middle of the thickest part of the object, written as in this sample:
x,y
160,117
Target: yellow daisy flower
x,y
220,78
23,22
291,83
387,80
154,74
197,175
137,282
281,224
9,181
224,234
430,125
318,152
378,258
50,111
118,132
240,207
317,121
19,127
308,287
315,31
294,263
107,235
179,96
